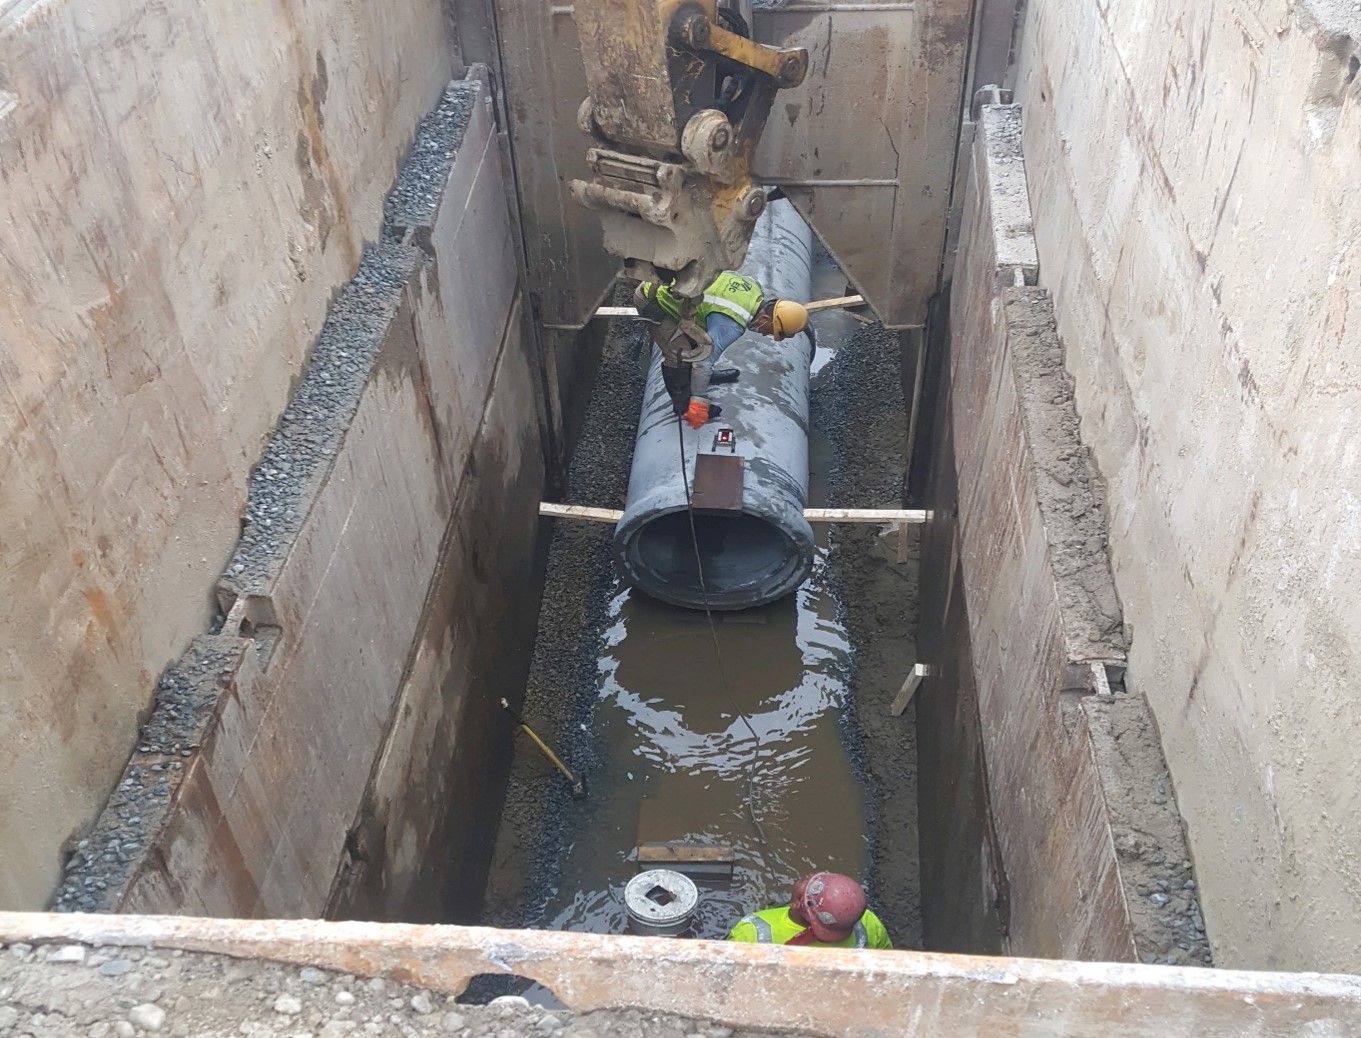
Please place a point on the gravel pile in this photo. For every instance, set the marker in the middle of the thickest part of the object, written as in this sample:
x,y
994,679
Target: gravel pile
x,y
103,862
310,432
414,199
75,990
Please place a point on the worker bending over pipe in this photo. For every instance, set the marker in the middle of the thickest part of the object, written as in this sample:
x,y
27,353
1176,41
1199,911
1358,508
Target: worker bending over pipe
x,y
732,303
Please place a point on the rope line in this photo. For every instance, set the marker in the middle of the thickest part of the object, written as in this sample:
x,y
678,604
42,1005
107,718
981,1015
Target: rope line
x,y
718,651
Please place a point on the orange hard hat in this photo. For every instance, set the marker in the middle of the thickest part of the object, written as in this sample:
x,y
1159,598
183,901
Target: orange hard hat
x,y
787,318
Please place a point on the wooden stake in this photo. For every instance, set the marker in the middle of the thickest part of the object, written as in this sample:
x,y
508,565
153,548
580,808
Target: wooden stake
x,y
909,689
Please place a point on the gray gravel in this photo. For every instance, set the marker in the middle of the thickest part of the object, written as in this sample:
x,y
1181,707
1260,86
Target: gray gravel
x,y
70,990
311,429
186,695
313,425
414,199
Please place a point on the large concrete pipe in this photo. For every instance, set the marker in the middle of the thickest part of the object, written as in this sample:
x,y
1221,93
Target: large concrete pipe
x,y
754,544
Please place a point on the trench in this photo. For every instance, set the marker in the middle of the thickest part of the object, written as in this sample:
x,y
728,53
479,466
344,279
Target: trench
x,y
768,732
653,704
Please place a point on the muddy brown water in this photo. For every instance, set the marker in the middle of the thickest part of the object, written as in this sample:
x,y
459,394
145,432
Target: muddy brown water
x,y
677,762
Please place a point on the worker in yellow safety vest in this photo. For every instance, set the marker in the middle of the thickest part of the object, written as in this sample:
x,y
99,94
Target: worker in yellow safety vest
x,y
826,910
731,304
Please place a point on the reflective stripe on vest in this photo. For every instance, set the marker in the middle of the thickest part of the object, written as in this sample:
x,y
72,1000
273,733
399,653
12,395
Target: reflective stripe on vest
x,y
764,935
730,294
734,295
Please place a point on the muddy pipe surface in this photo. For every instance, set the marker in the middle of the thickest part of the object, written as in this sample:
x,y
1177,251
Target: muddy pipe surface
x,y
766,551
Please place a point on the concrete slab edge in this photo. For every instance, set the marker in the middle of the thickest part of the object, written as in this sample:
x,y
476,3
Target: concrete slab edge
x,y
868,993
1114,728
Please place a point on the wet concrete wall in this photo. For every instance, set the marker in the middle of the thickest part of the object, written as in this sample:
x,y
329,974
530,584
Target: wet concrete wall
x,y
965,908
183,189
1196,207
325,750
1088,843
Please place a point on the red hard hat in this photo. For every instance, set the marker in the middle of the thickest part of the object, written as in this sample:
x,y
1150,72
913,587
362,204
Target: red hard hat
x,y
832,904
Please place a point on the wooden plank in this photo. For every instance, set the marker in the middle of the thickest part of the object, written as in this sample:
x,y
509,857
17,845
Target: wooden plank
x,y
596,515
834,304
866,515
813,515
909,689
814,307
677,853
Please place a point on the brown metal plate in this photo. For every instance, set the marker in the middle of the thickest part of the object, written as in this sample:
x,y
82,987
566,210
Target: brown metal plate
x,y
718,483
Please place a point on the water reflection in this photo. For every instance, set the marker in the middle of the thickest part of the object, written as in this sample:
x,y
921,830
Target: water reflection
x,y
675,761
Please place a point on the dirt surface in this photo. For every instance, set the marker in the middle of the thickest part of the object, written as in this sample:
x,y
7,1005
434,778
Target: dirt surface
x,y
74,990
857,404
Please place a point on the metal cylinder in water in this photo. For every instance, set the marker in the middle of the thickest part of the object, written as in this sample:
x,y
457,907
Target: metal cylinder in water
x,y
660,903
763,551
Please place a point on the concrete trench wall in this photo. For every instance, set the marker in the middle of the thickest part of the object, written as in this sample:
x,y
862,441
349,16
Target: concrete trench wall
x,y
1085,842
182,188
330,749
1198,220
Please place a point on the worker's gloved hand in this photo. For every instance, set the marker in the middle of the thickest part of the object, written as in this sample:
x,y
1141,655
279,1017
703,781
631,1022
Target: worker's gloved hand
x,y
645,302
698,412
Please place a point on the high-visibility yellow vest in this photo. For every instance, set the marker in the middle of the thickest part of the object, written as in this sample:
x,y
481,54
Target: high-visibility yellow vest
x,y
731,294
774,926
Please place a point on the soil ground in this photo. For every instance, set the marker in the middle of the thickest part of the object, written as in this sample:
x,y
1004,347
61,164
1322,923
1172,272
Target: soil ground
x,y
73,991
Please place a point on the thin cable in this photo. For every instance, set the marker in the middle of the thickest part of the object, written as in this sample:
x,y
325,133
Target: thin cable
x,y
718,651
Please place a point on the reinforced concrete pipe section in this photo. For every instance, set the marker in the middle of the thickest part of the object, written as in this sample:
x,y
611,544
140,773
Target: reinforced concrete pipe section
x,y
762,550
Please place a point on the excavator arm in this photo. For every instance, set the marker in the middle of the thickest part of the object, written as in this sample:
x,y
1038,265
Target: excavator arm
x,y
678,99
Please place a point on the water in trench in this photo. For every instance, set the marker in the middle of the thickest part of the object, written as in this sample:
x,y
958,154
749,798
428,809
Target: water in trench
x,y
659,731
674,759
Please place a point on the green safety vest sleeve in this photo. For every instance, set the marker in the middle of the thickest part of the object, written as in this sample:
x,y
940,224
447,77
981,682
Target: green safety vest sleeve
x,y
731,294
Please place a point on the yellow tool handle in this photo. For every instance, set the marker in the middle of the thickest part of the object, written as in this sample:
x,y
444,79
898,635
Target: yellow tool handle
x,y
549,753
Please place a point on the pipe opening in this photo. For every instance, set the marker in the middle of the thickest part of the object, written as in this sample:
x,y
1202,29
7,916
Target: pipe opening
x,y
739,553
